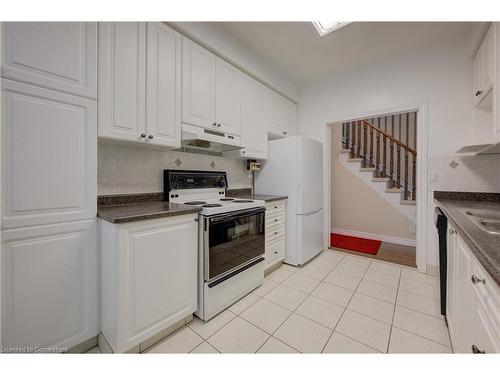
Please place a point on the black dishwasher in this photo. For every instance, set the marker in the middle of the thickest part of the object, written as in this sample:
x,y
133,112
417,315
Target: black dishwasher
x,y
441,223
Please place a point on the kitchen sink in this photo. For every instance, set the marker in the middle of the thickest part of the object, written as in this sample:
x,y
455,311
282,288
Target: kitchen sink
x,y
488,215
492,226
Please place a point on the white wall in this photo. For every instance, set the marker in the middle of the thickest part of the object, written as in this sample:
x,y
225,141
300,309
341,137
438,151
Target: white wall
x,y
229,48
439,76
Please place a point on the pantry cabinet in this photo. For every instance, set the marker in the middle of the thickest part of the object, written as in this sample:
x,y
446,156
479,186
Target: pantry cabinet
x,y
473,301
60,56
49,285
49,156
275,233
148,277
139,83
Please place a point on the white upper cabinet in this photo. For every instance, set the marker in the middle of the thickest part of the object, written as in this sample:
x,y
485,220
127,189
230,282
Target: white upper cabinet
x,y
253,120
140,83
60,56
49,156
122,80
227,97
281,116
163,85
198,85
483,68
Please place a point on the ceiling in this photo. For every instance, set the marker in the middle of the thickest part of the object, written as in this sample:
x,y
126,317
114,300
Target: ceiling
x,y
296,49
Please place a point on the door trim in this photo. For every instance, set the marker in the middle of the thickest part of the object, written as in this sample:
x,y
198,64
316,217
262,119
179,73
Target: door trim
x,y
422,165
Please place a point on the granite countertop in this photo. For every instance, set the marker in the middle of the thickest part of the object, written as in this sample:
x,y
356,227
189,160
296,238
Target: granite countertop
x,y
118,209
247,194
484,245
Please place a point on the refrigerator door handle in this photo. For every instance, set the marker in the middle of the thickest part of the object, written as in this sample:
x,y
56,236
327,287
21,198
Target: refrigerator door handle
x,y
312,212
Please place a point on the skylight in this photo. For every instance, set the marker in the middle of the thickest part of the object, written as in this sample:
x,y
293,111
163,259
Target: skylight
x,y
326,27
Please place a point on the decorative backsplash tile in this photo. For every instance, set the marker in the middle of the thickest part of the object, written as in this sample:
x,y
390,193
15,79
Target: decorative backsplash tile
x,y
136,169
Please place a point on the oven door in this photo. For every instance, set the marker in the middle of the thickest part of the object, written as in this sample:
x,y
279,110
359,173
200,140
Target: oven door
x,y
232,240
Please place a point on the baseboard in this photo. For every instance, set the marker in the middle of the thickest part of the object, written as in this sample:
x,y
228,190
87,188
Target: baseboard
x,y
375,236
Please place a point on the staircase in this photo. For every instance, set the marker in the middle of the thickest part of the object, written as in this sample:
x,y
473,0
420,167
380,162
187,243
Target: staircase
x,y
381,152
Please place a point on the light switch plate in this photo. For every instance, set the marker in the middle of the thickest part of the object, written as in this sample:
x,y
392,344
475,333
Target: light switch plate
x,y
434,178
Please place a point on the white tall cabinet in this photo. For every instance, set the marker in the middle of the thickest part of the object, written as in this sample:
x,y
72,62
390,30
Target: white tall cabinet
x,y
49,183
140,83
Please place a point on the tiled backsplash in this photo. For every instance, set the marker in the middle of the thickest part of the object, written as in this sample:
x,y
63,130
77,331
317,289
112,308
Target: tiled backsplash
x,y
139,169
478,173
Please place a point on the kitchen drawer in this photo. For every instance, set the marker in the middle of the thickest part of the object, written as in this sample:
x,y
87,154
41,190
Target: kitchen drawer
x,y
274,233
275,251
276,206
274,221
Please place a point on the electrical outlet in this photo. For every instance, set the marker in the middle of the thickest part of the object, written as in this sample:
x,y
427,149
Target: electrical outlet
x,y
434,178
413,228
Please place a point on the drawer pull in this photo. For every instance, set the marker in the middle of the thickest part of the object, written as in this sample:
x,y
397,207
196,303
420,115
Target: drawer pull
x,y
276,252
275,219
275,232
476,350
476,280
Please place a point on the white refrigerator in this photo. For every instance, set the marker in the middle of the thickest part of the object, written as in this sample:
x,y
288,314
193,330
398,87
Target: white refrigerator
x,y
295,168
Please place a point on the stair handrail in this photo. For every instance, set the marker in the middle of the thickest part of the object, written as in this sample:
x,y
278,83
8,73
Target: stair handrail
x,y
409,149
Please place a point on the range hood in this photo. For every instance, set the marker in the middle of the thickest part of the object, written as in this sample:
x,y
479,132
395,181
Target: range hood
x,y
195,136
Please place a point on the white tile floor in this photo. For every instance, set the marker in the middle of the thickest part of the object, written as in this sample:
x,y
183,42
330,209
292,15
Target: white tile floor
x,y
337,303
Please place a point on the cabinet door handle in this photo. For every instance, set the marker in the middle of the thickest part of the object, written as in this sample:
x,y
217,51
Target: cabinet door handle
x,y
476,280
479,92
275,232
476,350
151,136
275,219
143,135
276,252
275,206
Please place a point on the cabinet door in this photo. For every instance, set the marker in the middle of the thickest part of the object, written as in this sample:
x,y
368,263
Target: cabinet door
x,y
464,299
49,156
122,80
198,85
61,56
451,275
253,130
163,95
49,285
228,82
276,115
158,267
487,61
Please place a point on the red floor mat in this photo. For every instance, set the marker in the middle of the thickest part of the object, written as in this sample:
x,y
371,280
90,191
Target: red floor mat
x,y
362,245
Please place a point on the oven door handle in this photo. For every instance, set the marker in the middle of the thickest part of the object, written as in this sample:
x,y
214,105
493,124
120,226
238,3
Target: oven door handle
x,y
237,214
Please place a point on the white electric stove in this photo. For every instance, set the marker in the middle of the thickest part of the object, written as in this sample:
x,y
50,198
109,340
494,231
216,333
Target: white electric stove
x,y
231,241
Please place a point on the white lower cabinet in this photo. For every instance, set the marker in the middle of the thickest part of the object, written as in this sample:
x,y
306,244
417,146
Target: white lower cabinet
x,y
473,301
275,233
49,285
148,277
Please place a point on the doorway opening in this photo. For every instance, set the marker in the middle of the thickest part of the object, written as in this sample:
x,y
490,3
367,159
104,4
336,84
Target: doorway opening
x,y
374,187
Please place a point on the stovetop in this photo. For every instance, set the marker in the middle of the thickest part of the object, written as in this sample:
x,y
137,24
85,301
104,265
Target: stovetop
x,y
213,206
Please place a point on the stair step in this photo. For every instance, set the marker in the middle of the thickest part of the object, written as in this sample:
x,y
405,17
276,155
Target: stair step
x,y
394,190
354,160
367,169
381,179
408,202
345,150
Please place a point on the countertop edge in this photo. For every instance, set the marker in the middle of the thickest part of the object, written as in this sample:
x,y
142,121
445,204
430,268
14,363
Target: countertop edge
x,y
148,216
